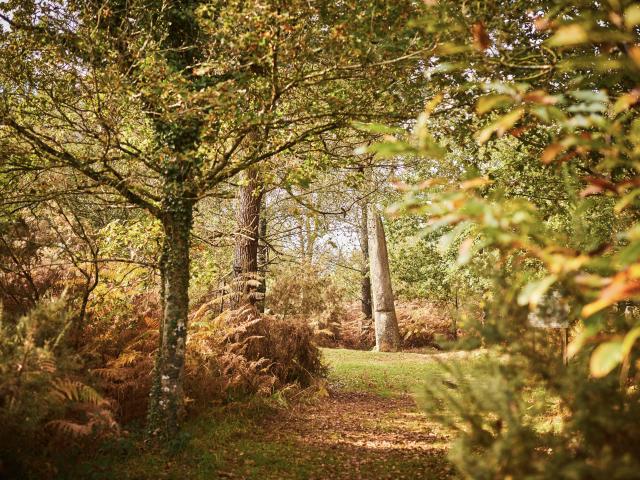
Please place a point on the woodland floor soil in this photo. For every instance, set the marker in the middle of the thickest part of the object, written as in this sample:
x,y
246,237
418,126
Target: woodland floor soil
x,y
363,424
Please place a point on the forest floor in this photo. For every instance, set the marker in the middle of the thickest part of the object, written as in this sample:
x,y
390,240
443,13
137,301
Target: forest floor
x,y
364,423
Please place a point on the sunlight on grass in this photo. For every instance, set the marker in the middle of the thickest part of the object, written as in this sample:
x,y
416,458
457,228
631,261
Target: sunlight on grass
x,y
388,374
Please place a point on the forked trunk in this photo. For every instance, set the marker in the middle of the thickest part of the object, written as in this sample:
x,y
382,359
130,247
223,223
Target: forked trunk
x,y
167,396
384,312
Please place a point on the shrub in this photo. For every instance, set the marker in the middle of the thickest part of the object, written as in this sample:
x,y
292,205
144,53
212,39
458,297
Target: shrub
x,y
304,293
231,355
303,289
121,343
41,396
518,418
250,353
419,323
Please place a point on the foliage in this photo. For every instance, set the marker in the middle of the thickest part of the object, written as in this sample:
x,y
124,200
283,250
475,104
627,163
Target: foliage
x,y
550,197
158,105
495,426
230,356
40,398
253,353
305,292
508,425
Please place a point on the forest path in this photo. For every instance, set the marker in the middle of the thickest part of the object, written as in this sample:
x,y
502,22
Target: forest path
x,y
365,425
361,435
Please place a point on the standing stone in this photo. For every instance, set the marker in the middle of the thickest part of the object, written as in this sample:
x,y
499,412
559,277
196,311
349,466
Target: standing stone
x,y
384,312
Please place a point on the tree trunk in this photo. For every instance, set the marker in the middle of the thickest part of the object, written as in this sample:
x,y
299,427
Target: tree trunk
x,y
263,261
384,312
365,281
245,256
166,401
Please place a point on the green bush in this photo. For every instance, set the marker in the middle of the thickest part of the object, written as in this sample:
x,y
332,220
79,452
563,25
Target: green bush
x,y
516,420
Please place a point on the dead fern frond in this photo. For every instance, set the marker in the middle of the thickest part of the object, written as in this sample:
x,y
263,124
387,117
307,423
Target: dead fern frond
x,y
71,390
68,427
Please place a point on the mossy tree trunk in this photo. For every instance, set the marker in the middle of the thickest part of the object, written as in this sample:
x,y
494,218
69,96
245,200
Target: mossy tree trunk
x,y
166,401
384,312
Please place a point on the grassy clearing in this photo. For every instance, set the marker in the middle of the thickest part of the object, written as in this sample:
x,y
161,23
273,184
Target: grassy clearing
x,y
389,374
248,442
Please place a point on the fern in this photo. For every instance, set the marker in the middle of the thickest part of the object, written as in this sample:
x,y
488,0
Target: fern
x,y
68,427
88,412
74,391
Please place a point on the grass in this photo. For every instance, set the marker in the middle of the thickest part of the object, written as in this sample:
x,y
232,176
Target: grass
x,y
223,443
238,442
389,374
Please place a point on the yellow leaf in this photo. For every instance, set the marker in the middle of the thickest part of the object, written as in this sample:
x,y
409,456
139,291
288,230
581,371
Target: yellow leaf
x,y
500,126
569,35
581,338
475,183
632,16
625,201
433,103
629,339
464,254
624,285
550,153
634,54
489,102
625,101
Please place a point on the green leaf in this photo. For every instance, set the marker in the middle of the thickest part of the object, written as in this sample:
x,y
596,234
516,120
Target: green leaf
x,y
533,292
376,128
391,149
596,96
605,358
625,201
629,254
445,241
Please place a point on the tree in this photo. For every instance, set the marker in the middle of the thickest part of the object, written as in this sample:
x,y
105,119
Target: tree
x,y
547,207
365,281
162,102
247,238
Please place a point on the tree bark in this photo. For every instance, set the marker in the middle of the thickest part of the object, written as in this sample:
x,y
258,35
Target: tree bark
x,y
365,281
245,256
384,312
166,400
263,260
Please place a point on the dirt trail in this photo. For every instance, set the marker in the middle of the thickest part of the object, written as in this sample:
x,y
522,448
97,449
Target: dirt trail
x,y
360,435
